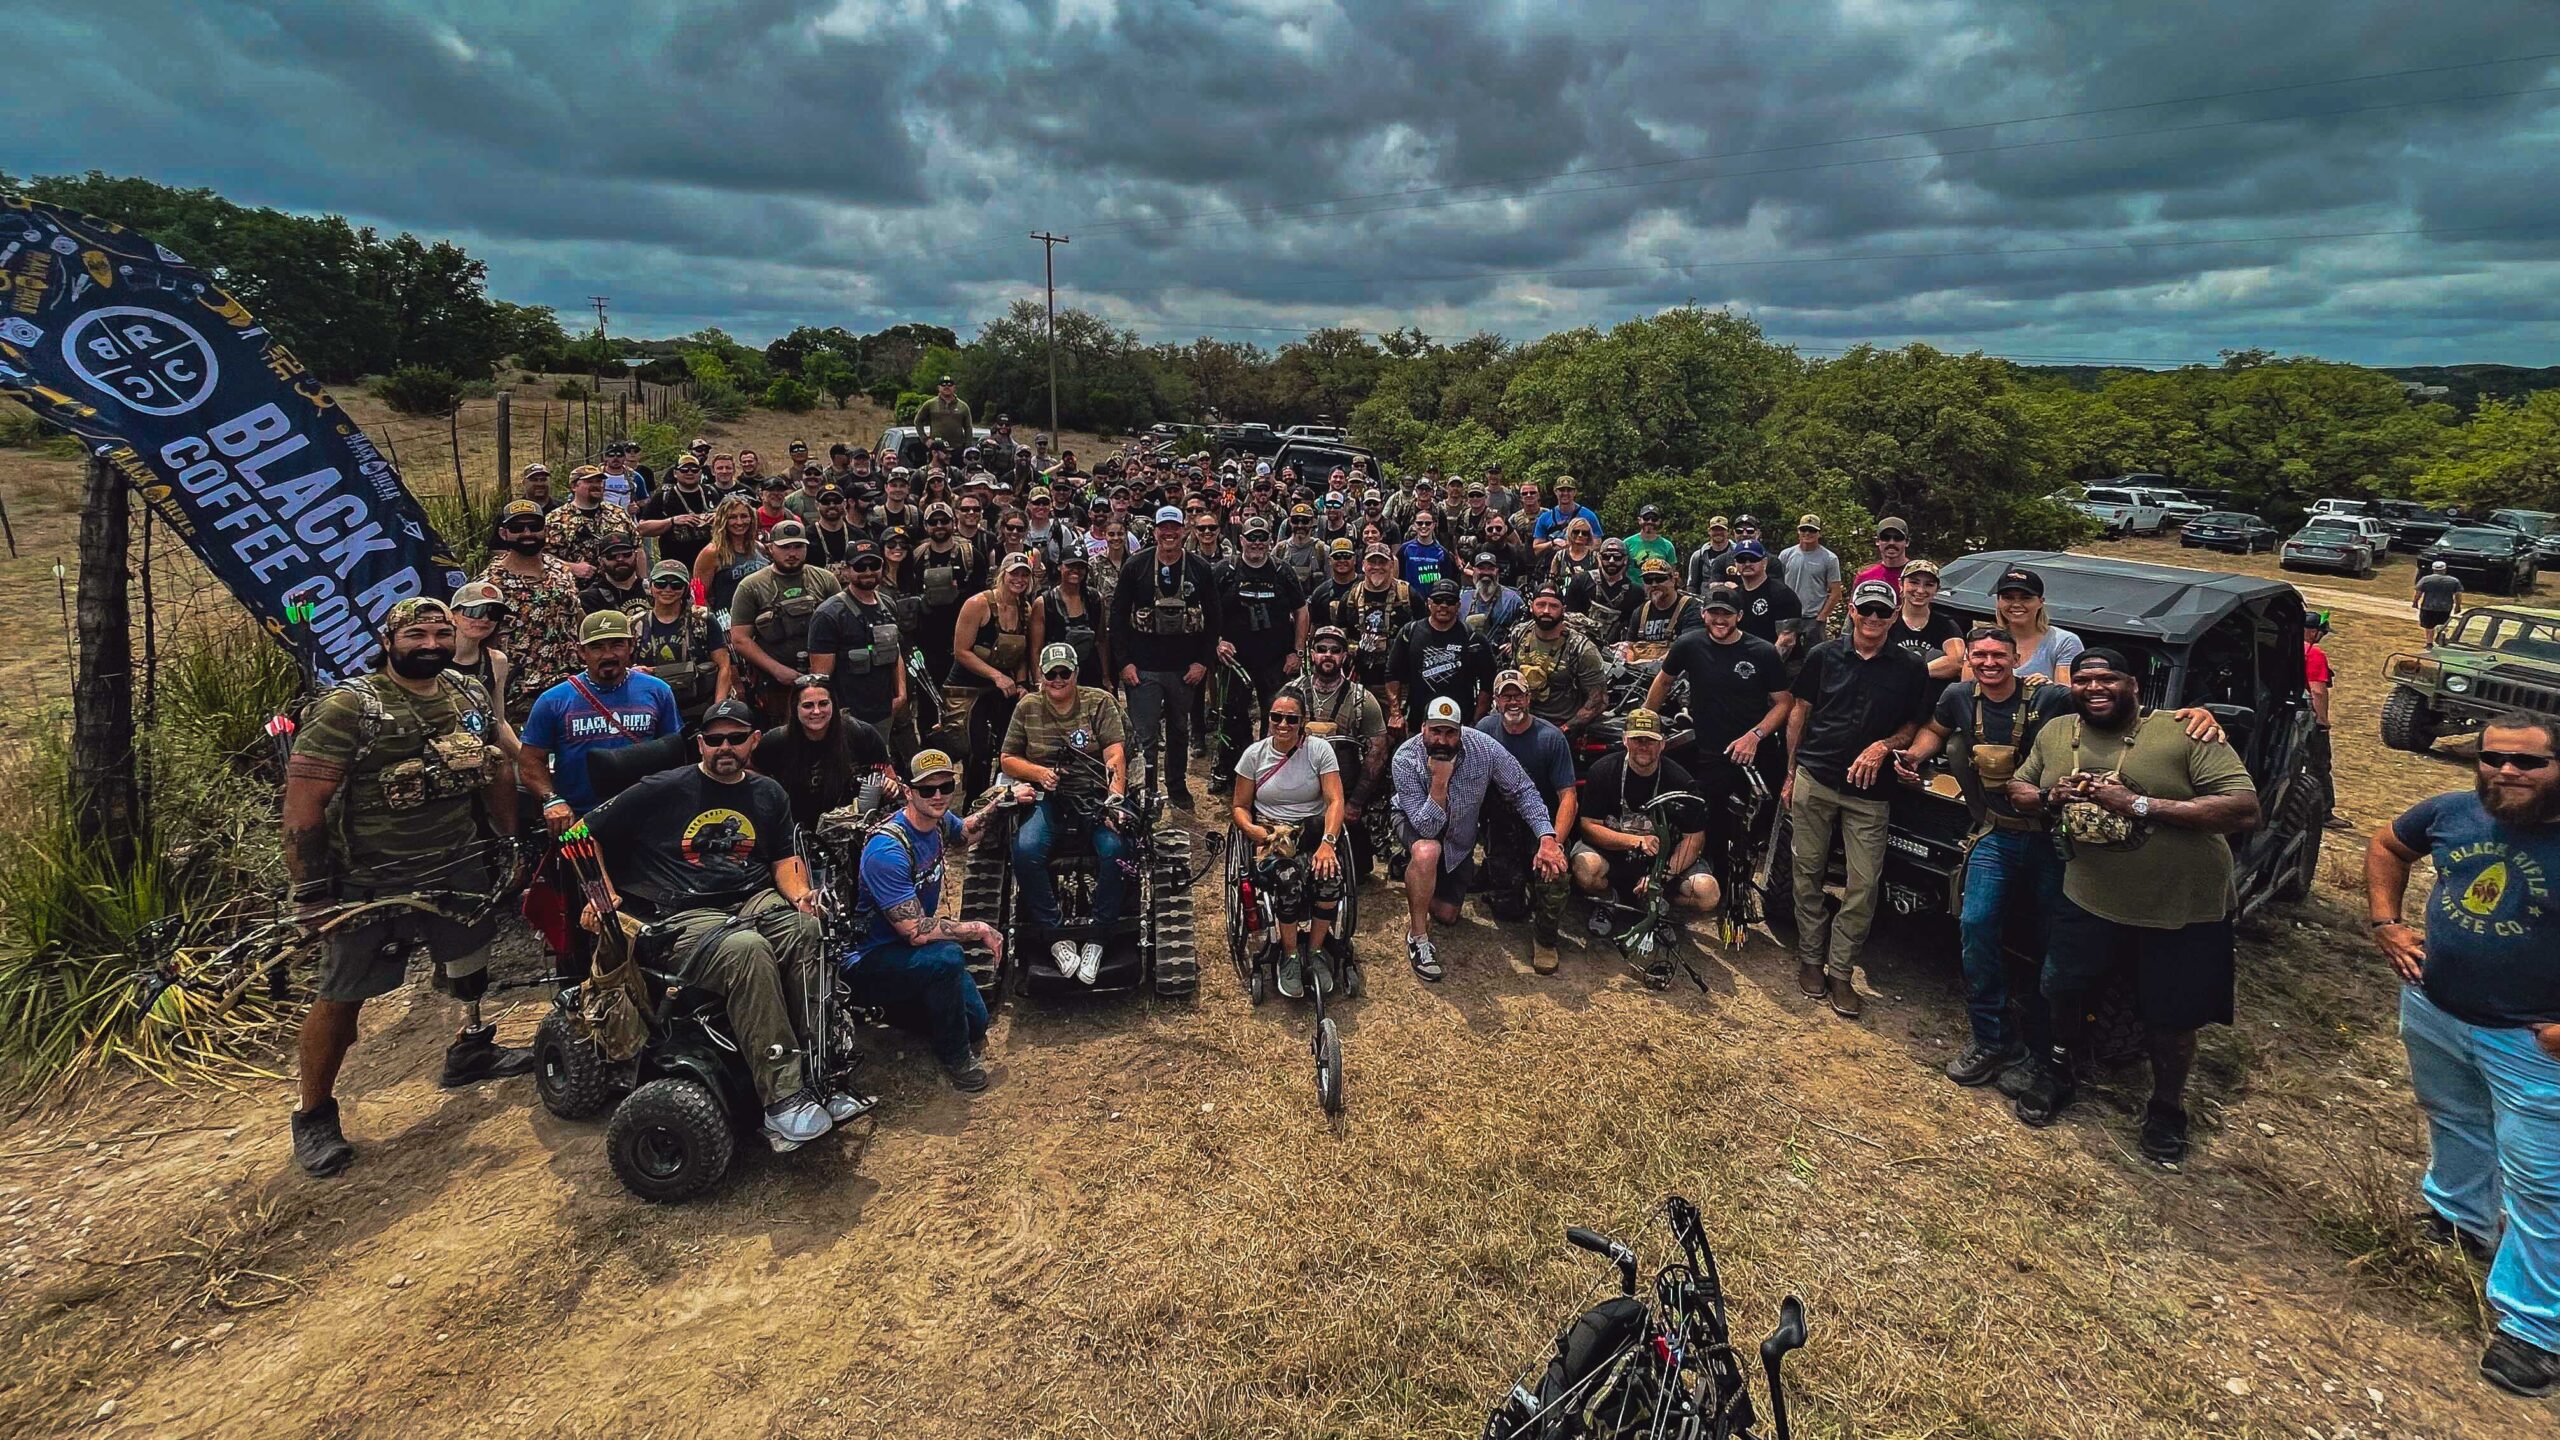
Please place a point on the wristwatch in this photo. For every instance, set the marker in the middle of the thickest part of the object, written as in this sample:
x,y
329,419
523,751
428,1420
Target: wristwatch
x,y
2141,807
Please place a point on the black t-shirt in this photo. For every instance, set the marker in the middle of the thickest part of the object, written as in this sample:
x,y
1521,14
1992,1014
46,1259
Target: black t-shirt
x,y
1614,792
1193,583
1927,643
830,548
2437,594
1730,685
602,594
1430,662
819,775
1595,588
1262,609
2013,721
1644,626
680,542
680,840
1855,702
868,652
1767,609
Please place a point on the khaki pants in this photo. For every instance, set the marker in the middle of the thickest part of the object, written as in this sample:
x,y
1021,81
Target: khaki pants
x,y
1816,812
762,971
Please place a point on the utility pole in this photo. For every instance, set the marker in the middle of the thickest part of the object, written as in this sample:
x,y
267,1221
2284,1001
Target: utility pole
x,y
598,301
1049,262
605,351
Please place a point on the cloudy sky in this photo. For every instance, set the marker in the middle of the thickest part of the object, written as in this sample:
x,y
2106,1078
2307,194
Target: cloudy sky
x,y
2147,181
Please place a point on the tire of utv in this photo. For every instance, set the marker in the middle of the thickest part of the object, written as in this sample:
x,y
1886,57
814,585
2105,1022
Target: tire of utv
x,y
2301,816
2407,724
669,1142
573,1078
1328,1066
1172,931
986,887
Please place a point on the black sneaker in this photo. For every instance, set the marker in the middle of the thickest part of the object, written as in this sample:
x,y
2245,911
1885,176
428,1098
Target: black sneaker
x,y
317,1146
1981,1064
1180,795
2520,1367
2164,1132
2046,1095
475,1055
968,1079
1424,957
2437,1230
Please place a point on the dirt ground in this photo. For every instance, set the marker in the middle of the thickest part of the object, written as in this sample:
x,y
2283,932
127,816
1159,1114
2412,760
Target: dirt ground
x,y
1147,1226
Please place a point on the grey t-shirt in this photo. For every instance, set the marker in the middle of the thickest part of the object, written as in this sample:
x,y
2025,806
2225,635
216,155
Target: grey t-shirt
x,y
1809,573
2437,593
1291,788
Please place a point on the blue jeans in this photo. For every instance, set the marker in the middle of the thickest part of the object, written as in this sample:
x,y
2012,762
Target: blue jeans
x,y
1034,842
2008,870
2492,1099
926,990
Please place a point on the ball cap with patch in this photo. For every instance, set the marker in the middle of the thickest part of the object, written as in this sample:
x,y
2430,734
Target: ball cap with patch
x,y
1443,711
2018,577
1723,597
1919,567
1341,545
619,542
482,592
1892,527
1169,515
1654,565
1445,590
604,625
670,570
1642,724
1874,592
787,533
929,763
1487,557
1750,550
1809,522
519,510
730,712
413,610
1510,680
1059,656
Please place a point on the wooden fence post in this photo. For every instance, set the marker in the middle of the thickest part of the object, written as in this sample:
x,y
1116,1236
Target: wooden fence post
x,y
506,441
102,760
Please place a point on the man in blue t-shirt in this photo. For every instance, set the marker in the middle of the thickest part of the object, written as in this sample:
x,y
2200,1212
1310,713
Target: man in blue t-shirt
x,y
1543,751
909,961
606,708
2481,1018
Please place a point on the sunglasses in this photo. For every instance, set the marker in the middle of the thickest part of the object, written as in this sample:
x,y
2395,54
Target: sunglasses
x,y
481,612
1875,612
859,566
1330,650
1282,717
932,788
2501,759
1058,675
666,584
723,739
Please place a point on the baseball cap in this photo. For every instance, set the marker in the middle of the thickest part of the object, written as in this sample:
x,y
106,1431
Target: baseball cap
x,y
478,592
1654,565
1723,597
1015,561
930,762
618,540
1443,711
1445,590
1257,526
536,468
1510,680
2018,577
1649,512
787,533
1487,557
799,447
586,472
1169,515
1809,522
1059,656
1750,550
1919,567
1641,722
1741,520
1341,545
734,712
1892,525
831,492
519,510
1874,592
1379,552
413,610
864,550
669,570
937,508
1718,522
1565,482
1302,511
604,625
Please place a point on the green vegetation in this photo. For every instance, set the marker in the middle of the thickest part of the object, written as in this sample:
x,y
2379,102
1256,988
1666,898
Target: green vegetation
x,y
420,390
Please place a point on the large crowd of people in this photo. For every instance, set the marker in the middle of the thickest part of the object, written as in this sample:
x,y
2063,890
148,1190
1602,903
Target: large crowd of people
x,y
1422,682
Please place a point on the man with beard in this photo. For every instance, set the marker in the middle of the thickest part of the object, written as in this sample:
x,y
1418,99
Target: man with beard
x,y
1568,679
1614,848
854,642
998,453
1166,613
674,639
1598,601
2480,1015
607,707
945,417
942,573
617,583
1436,656
1858,699
831,540
1342,713
1265,629
710,853
1488,606
769,619
1649,628
1893,551
1707,563
395,787
1302,552
1443,777
678,514
626,480
2146,884
1736,684
539,631
1372,612
576,531
1511,890
536,487
1053,743
1769,609
909,961
1649,543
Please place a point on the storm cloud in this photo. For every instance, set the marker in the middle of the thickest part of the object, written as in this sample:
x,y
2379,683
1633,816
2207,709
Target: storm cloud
x,y
2155,181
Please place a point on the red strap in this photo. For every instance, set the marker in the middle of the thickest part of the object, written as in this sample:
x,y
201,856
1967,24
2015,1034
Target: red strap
x,y
604,710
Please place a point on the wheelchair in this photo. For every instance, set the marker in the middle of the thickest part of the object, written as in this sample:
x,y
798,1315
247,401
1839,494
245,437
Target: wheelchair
x,y
1260,894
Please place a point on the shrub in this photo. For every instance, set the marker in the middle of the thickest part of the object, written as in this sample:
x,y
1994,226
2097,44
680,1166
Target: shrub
x,y
528,378
720,399
789,394
571,390
903,409
420,390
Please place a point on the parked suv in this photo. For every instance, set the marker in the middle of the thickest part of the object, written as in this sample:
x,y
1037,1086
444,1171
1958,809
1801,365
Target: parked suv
x,y
2541,526
2494,556
2493,659
2414,527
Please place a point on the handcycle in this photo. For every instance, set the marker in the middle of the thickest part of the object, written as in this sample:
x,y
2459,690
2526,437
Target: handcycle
x,y
1626,1368
1640,938
1262,894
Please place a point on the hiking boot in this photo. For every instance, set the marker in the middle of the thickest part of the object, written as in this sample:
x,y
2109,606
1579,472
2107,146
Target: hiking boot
x,y
2339,823
844,1105
1812,980
2437,1230
2164,1132
968,1079
475,1055
2046,1094
1845,1000
1542,954
795,1121
1425,959
1180,795
317,1146
1980,1064
1292,979
2520,1367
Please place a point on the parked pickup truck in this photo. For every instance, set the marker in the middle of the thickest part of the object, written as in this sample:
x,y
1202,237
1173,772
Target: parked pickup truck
x,y
2141,516
2414,527
2541,526
2493,556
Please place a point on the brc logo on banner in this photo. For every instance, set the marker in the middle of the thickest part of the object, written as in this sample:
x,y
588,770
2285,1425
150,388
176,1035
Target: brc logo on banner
x,y
156,363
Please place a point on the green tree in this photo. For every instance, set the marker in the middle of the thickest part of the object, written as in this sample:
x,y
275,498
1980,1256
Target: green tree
x,y
2509,455
1325,375
789,393
792,353
1107,380
833,374
1681,392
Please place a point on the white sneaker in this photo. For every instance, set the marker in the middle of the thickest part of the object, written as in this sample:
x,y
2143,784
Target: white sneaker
x,y
795,1122
1063,955
1089,963
842,1106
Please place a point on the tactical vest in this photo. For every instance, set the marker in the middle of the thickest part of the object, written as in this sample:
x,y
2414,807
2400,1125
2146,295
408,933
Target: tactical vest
x,y
1171,612
943,574
692,675
412,767
880,649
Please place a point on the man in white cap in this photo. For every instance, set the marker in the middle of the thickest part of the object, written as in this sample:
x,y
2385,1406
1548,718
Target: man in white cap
x,y
1166,614
1067,742
1442,777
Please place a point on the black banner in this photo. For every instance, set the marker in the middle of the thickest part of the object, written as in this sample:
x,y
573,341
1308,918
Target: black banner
x,y
237,447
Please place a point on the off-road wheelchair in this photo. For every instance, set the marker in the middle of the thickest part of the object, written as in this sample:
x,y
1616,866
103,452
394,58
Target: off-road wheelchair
x,y
1262,893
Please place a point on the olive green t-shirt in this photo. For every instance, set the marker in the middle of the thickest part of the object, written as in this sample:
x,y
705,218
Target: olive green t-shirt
x,y
410,831
768,588
2175,877
1045,737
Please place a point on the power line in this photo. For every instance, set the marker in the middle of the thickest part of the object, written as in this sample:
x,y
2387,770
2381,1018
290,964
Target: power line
x,y
1276,210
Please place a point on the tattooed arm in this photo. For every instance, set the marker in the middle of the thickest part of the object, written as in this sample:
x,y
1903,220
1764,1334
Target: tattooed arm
x,y
915,927
309,784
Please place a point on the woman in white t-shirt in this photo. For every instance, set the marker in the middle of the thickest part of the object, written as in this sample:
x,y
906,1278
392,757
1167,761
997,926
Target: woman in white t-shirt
x,y
1285,785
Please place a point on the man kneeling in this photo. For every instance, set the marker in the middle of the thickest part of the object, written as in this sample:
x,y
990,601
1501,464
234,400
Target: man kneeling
x,y
1613,853
709,853
1068,741
910,962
